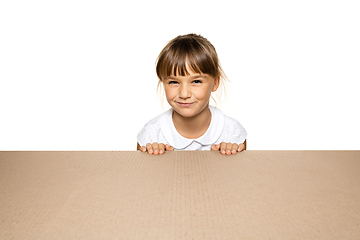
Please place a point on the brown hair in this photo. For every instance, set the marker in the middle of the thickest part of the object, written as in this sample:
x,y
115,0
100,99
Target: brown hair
x,y
191,50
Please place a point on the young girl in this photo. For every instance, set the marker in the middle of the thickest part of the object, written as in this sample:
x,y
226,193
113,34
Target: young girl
x,y
189,69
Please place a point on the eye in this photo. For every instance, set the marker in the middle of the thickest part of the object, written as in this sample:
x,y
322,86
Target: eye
x,y
173,82
197,81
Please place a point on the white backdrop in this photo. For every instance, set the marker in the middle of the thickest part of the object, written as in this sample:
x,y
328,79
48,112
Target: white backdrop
x,y
80,75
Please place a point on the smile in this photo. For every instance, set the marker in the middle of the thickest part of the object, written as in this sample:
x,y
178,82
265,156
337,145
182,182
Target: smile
x,y
185,104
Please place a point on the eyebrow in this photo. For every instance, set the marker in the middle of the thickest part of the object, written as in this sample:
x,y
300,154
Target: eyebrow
x,y
193,77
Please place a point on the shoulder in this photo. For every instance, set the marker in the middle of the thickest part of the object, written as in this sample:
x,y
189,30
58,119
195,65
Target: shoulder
x,y
219,116
231,122
155,123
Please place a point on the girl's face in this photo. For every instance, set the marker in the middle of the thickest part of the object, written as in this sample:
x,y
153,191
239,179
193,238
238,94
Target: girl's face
x,y
190,95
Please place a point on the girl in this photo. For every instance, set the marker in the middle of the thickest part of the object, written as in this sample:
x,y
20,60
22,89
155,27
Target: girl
x,y
189,69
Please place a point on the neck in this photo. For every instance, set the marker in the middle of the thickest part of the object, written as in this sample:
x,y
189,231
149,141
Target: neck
x,y
192,127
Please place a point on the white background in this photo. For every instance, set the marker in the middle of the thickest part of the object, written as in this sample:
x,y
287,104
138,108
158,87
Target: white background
x,y
80,75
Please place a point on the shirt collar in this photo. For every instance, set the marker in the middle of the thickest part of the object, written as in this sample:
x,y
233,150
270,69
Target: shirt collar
x,y
208,138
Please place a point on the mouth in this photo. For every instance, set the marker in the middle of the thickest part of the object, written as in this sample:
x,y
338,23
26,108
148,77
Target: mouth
x,y
182,104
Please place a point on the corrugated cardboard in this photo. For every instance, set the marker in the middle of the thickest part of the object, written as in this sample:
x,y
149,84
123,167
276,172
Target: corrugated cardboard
x,y
180,195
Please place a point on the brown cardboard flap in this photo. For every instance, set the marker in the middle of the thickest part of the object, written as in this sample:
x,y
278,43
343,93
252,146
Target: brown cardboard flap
x,y
180,195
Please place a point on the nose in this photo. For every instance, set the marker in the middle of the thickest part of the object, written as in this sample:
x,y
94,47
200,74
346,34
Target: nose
x,y
184,92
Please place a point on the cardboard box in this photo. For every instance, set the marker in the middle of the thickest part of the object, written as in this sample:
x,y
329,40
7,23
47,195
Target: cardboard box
x,y
180,195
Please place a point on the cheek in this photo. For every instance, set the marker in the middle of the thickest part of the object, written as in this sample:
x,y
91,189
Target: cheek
x,y
170,93
202,93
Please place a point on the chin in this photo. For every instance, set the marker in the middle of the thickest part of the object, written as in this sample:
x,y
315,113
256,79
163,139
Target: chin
x,y
186,112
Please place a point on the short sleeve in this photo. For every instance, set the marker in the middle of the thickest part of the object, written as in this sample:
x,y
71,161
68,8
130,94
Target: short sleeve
x,y
145,136
151,133
239,133
233,131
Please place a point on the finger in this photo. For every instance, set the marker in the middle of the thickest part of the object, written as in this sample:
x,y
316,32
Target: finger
x,y
169,148
215,147
155,147
161,148
228,148
143,149
234,148
149,148
241,147
223,148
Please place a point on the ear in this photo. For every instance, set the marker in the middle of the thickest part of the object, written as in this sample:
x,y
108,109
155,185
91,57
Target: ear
x,y
216,84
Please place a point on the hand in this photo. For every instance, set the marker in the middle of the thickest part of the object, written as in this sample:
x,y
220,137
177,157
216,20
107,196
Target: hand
x,y
156,148
228,148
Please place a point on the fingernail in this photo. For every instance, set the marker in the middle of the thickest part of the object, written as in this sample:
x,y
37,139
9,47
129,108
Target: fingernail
x,y
161,151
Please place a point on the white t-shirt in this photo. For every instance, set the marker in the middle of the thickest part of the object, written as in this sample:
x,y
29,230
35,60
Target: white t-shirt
x,y
222,129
